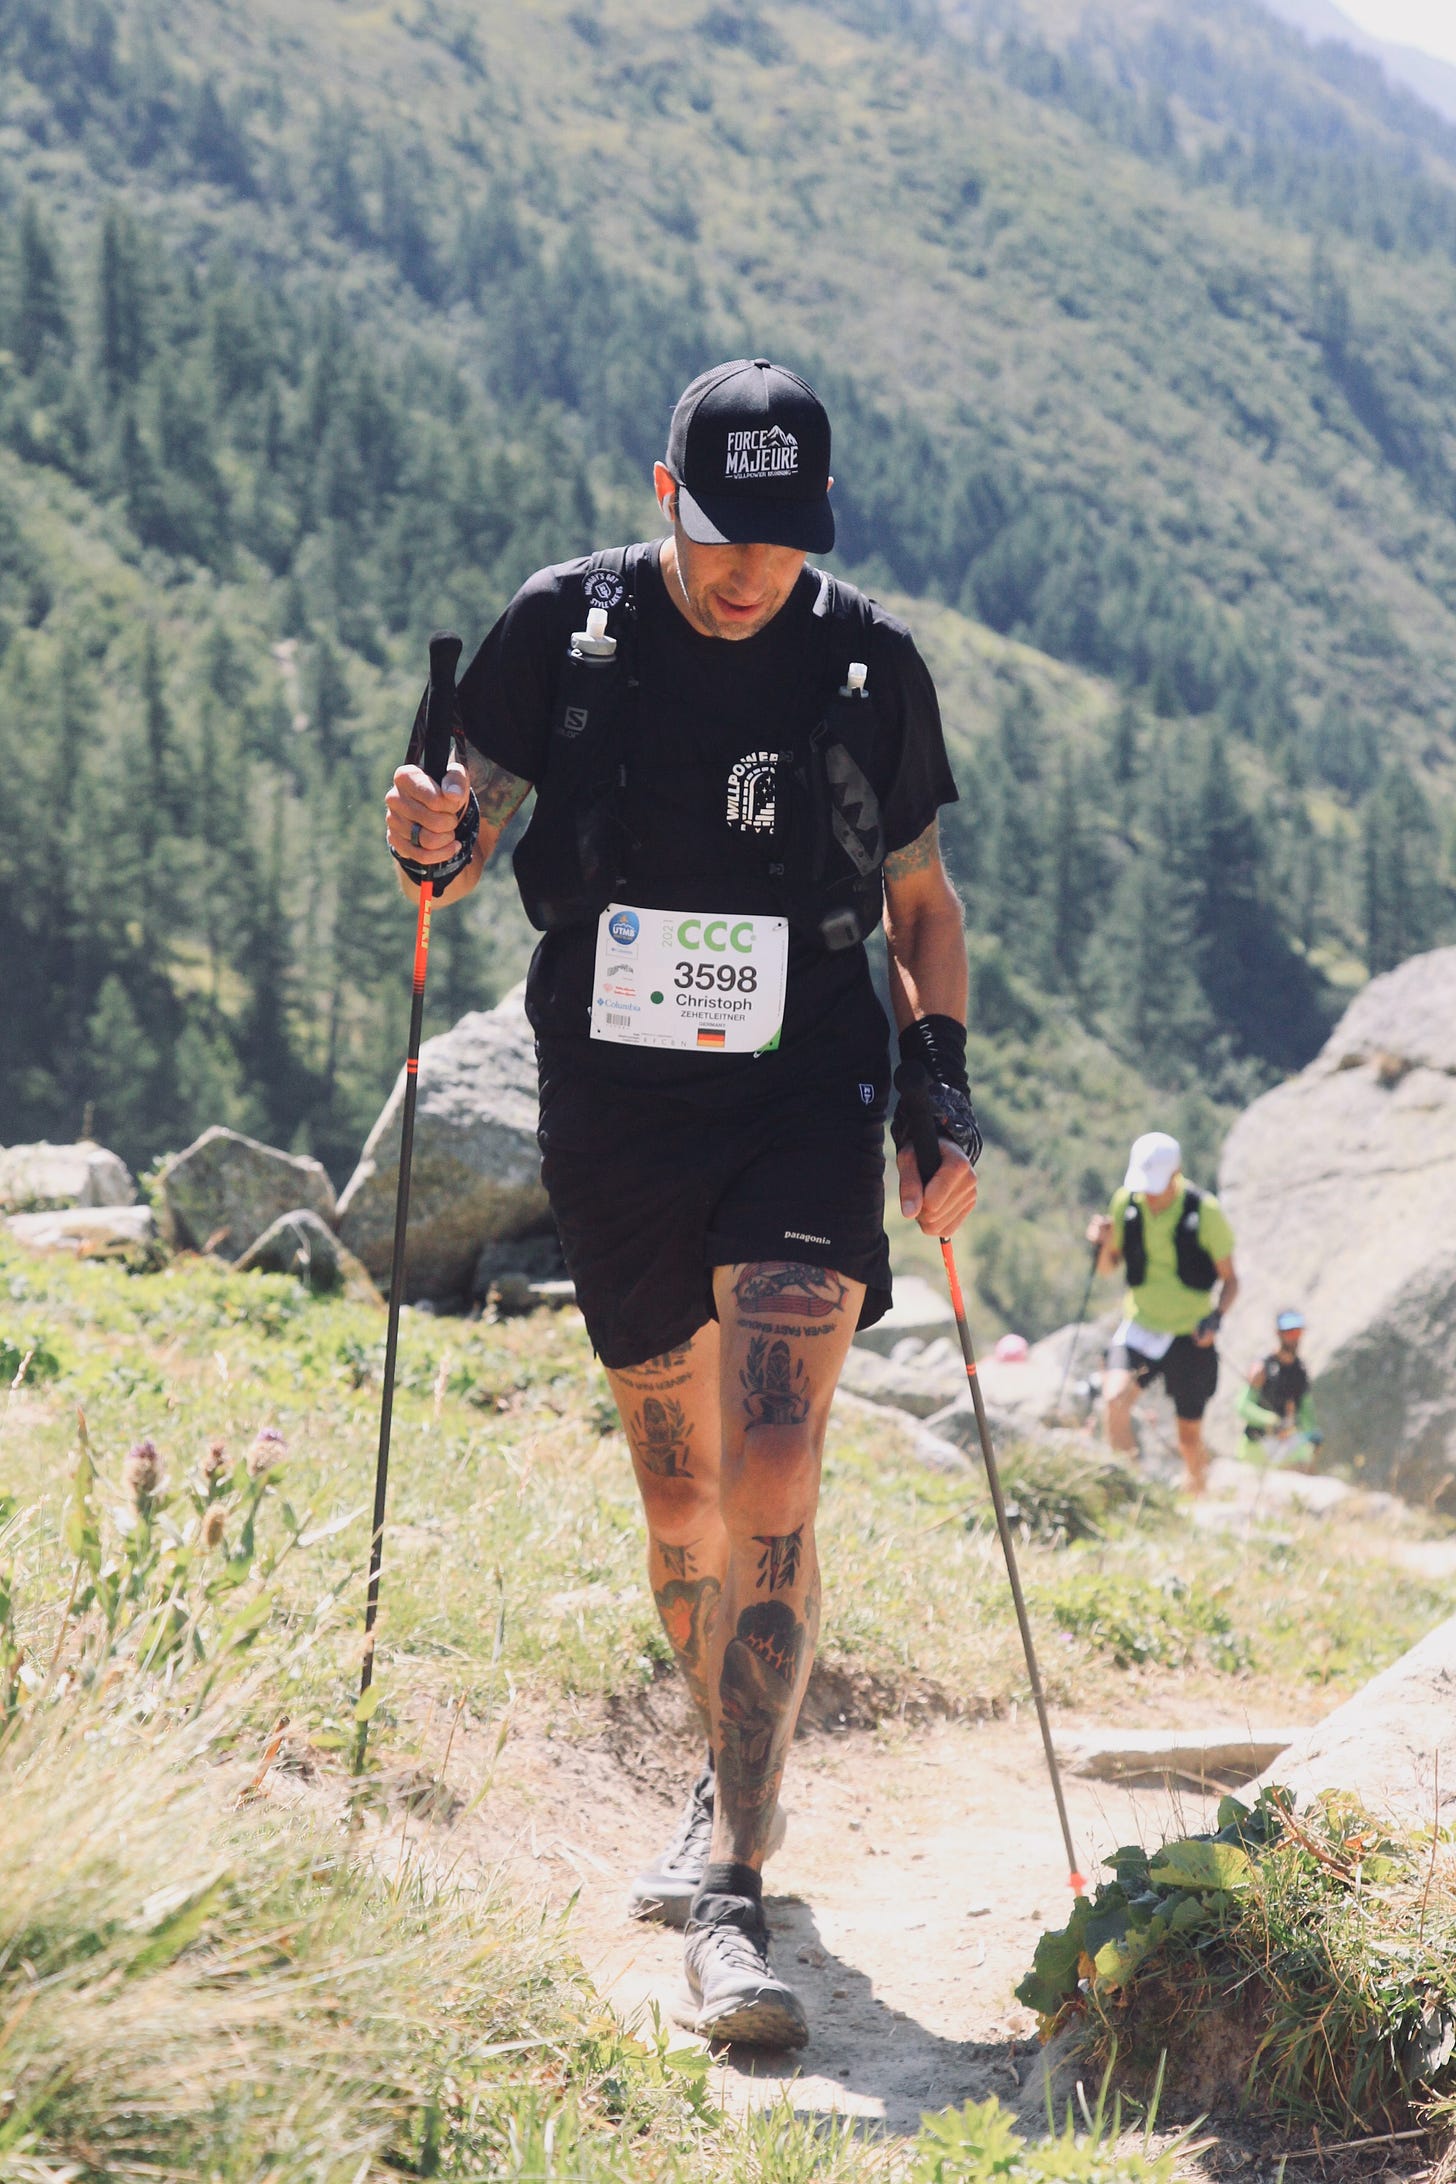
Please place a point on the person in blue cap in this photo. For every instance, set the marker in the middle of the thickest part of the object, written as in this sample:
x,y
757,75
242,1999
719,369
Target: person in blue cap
x,y
1276,1403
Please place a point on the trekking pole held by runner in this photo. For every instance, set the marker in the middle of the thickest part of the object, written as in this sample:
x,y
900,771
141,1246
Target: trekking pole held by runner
x,y
911,1083
439,723
1081,1316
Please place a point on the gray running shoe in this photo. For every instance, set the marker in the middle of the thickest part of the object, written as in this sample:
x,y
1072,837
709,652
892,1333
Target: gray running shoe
x,y
667,1887
735,1992
664,1890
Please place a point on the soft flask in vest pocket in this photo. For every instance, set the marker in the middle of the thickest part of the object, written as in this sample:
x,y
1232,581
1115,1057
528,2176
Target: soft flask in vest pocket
x,y
571,860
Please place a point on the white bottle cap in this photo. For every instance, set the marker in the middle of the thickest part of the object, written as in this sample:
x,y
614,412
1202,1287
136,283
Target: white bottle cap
x,y
858,677
593,643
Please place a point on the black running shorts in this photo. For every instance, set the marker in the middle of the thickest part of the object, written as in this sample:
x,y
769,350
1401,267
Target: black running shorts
x,y
1188,1369
650,1194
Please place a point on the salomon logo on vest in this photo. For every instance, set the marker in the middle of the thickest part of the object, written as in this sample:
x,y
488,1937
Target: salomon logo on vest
x,y
624,928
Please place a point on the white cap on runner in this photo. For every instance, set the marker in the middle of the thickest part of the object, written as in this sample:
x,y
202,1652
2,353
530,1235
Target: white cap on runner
x,y
1153,1162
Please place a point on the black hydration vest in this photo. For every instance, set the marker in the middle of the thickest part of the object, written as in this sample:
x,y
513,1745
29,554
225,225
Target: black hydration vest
x,y
822,854
1196,1269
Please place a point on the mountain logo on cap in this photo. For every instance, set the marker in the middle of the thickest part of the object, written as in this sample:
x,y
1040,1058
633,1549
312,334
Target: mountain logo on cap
x,y
762,452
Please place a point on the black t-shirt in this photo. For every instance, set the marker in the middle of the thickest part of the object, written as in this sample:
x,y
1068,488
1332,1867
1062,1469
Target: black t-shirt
x,y
704,705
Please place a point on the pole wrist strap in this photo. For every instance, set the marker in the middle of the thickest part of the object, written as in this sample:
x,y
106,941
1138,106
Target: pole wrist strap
x,y
938,1044
467,829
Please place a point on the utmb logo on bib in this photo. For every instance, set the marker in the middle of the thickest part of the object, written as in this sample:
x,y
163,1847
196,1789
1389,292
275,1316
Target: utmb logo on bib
x,y
625,927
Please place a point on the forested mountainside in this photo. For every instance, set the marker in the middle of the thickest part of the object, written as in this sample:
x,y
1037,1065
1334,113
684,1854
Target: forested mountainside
x,y
321,323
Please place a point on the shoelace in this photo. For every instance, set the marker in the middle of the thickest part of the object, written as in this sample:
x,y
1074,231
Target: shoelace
x,y
690,1844
741,1951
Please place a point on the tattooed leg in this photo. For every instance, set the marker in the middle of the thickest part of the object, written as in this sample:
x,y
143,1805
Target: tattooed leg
x,y
669,1408
785,1330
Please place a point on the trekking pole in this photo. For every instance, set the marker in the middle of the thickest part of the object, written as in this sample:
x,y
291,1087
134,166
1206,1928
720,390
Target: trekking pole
x,y
911,1082
435,757
1081,1316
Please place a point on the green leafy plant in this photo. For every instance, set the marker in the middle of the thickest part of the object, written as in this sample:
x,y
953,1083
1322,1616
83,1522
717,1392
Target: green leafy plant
x,y
1321,1944
26,1360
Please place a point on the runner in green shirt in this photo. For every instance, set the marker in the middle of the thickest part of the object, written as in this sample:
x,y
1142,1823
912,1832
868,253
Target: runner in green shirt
x,y
1177,1247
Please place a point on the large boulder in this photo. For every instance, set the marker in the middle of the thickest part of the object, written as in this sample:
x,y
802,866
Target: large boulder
x,y
1341,1187
1393,1745
43,1178
300,1244
226,1189
475,1177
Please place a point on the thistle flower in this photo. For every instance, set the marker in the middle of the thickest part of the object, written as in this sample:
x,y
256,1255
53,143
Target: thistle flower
x,y
141,1473
269,1449
214,1523
214,1463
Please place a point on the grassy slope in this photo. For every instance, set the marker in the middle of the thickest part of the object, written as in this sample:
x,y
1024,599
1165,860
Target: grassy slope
x,y
199,1958
516,1541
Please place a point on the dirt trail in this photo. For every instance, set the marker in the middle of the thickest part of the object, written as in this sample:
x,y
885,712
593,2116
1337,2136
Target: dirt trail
x,y
920,1867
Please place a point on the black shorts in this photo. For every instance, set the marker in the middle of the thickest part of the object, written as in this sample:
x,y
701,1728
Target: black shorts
x,y
1188,1369
650,1194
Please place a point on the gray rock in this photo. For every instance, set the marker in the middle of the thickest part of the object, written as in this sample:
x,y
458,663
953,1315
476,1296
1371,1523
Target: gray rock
x,y
1341,1187
1391,1743
476,1172
1218,1758
920,1384
300,1243
518,1259
40,1178
226,1189
918,1310
83,1228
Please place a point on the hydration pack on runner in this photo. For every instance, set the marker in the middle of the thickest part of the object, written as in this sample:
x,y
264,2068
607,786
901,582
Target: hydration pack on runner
x,y
1196,1269
1285,1384
825,848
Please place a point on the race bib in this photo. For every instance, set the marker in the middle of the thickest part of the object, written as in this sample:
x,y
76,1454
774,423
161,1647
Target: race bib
x,y
689,982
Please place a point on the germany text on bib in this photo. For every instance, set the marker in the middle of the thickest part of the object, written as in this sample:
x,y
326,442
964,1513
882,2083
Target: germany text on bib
x,y
691,981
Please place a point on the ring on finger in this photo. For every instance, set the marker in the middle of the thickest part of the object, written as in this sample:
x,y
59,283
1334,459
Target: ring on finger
x,y
415,835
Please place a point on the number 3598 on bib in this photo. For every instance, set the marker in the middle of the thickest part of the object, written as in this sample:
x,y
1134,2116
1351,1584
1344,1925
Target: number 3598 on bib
x,y
690,981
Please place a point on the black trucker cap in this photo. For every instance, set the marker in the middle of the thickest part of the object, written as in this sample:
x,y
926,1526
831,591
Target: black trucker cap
x,y
749,447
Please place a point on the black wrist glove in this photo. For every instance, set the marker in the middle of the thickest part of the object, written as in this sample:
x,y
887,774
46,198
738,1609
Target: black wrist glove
x,y
938,1043
1210,1323
467,827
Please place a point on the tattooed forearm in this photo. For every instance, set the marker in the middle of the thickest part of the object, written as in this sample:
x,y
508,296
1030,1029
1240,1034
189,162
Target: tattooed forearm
x,y
498,793
775,1384
677,1561
916,856
787,1289
687,1608
662,1438
778,1565
758,1691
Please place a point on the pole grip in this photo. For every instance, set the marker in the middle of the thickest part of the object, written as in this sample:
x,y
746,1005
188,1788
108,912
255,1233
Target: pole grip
x,y
912,1082
445,649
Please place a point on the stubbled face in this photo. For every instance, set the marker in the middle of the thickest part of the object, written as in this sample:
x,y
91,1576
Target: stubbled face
x,y
725,591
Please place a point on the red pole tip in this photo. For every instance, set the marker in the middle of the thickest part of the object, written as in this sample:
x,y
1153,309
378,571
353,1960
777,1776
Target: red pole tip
x,y
1077,1882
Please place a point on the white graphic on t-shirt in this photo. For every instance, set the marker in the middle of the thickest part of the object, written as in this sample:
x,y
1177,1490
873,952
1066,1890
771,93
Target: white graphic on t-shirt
x,y
762,451
752,792
603,588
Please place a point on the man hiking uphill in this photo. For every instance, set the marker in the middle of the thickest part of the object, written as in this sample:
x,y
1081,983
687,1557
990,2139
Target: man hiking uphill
x,y
738,763
1177,1247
